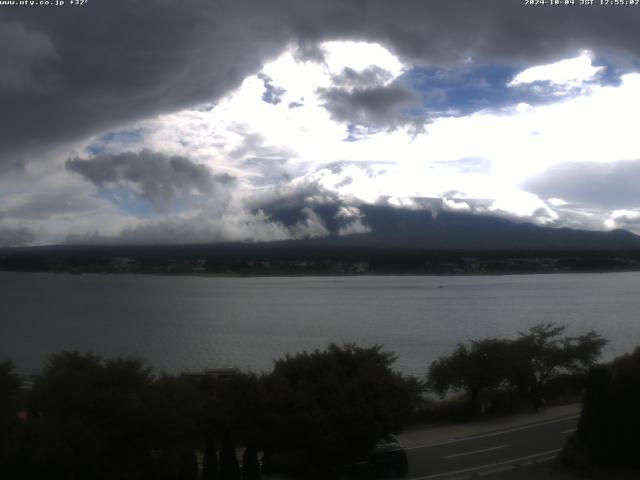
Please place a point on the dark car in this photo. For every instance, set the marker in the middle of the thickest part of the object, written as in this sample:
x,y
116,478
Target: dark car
x,y
388,459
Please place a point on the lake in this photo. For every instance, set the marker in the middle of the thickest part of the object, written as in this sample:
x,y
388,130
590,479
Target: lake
x,y
189,323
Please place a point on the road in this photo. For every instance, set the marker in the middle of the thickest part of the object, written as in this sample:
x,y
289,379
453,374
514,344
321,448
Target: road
x,y
490,453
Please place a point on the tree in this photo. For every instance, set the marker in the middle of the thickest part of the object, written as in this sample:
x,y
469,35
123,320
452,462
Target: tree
x,y
210,460
527,363
473,368
188,465
542,353
10,387
250,464
229,466
90,418
609,426
175,407
232,406
10,404
329,407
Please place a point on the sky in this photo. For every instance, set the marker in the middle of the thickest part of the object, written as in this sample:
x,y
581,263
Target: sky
x,y
168,121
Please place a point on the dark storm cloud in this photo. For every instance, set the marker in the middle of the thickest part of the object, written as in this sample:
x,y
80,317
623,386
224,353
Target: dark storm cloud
x,y
367,102
308,52
158,178
26,58
453,33
15,237
378,107
307,209
120,60
608,185
291,197
372,75
90,69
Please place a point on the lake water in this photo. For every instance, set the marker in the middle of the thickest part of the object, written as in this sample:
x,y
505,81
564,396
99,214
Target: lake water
x,y
190,323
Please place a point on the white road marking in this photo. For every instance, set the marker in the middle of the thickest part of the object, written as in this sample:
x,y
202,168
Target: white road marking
x,y
455,455
493,471
493,434
571,430
545,459
489,466
505,468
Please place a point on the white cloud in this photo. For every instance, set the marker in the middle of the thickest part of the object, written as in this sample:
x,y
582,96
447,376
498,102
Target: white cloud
x,y
296,142
572,71
517,142
623,218
455,206
354,221
359,56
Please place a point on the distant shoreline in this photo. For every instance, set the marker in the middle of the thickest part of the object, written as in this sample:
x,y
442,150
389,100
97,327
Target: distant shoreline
x,y
290,261
320,275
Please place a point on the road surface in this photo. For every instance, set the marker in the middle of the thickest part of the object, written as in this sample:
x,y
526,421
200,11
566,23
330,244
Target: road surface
x,y
491,453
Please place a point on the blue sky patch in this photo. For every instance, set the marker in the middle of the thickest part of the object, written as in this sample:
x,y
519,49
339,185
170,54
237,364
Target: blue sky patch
x,y
464,91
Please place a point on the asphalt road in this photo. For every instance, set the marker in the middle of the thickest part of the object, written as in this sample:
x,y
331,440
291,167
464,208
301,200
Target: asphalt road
x,y
492,453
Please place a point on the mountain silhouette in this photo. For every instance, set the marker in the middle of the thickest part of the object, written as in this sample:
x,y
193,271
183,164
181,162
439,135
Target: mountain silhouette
x,y
396,228
396,241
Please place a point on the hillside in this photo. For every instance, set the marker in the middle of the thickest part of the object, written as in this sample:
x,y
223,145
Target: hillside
x,y
399,241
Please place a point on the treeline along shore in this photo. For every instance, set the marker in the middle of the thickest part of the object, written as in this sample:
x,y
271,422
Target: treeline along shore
x,y
314,415
291,258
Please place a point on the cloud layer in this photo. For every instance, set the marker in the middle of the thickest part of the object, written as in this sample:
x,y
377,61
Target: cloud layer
x,y
601,185
156,177
166,55
138,120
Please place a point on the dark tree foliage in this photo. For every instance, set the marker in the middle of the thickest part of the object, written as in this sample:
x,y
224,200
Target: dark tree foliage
x,y
188,465
542,353
233,406
10,405
229,466
174,404
10,388
210,460
90,419
250,464
526,364
328,408
484,364
609,428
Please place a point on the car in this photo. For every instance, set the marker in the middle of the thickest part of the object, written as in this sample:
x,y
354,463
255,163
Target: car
x,y
388,459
